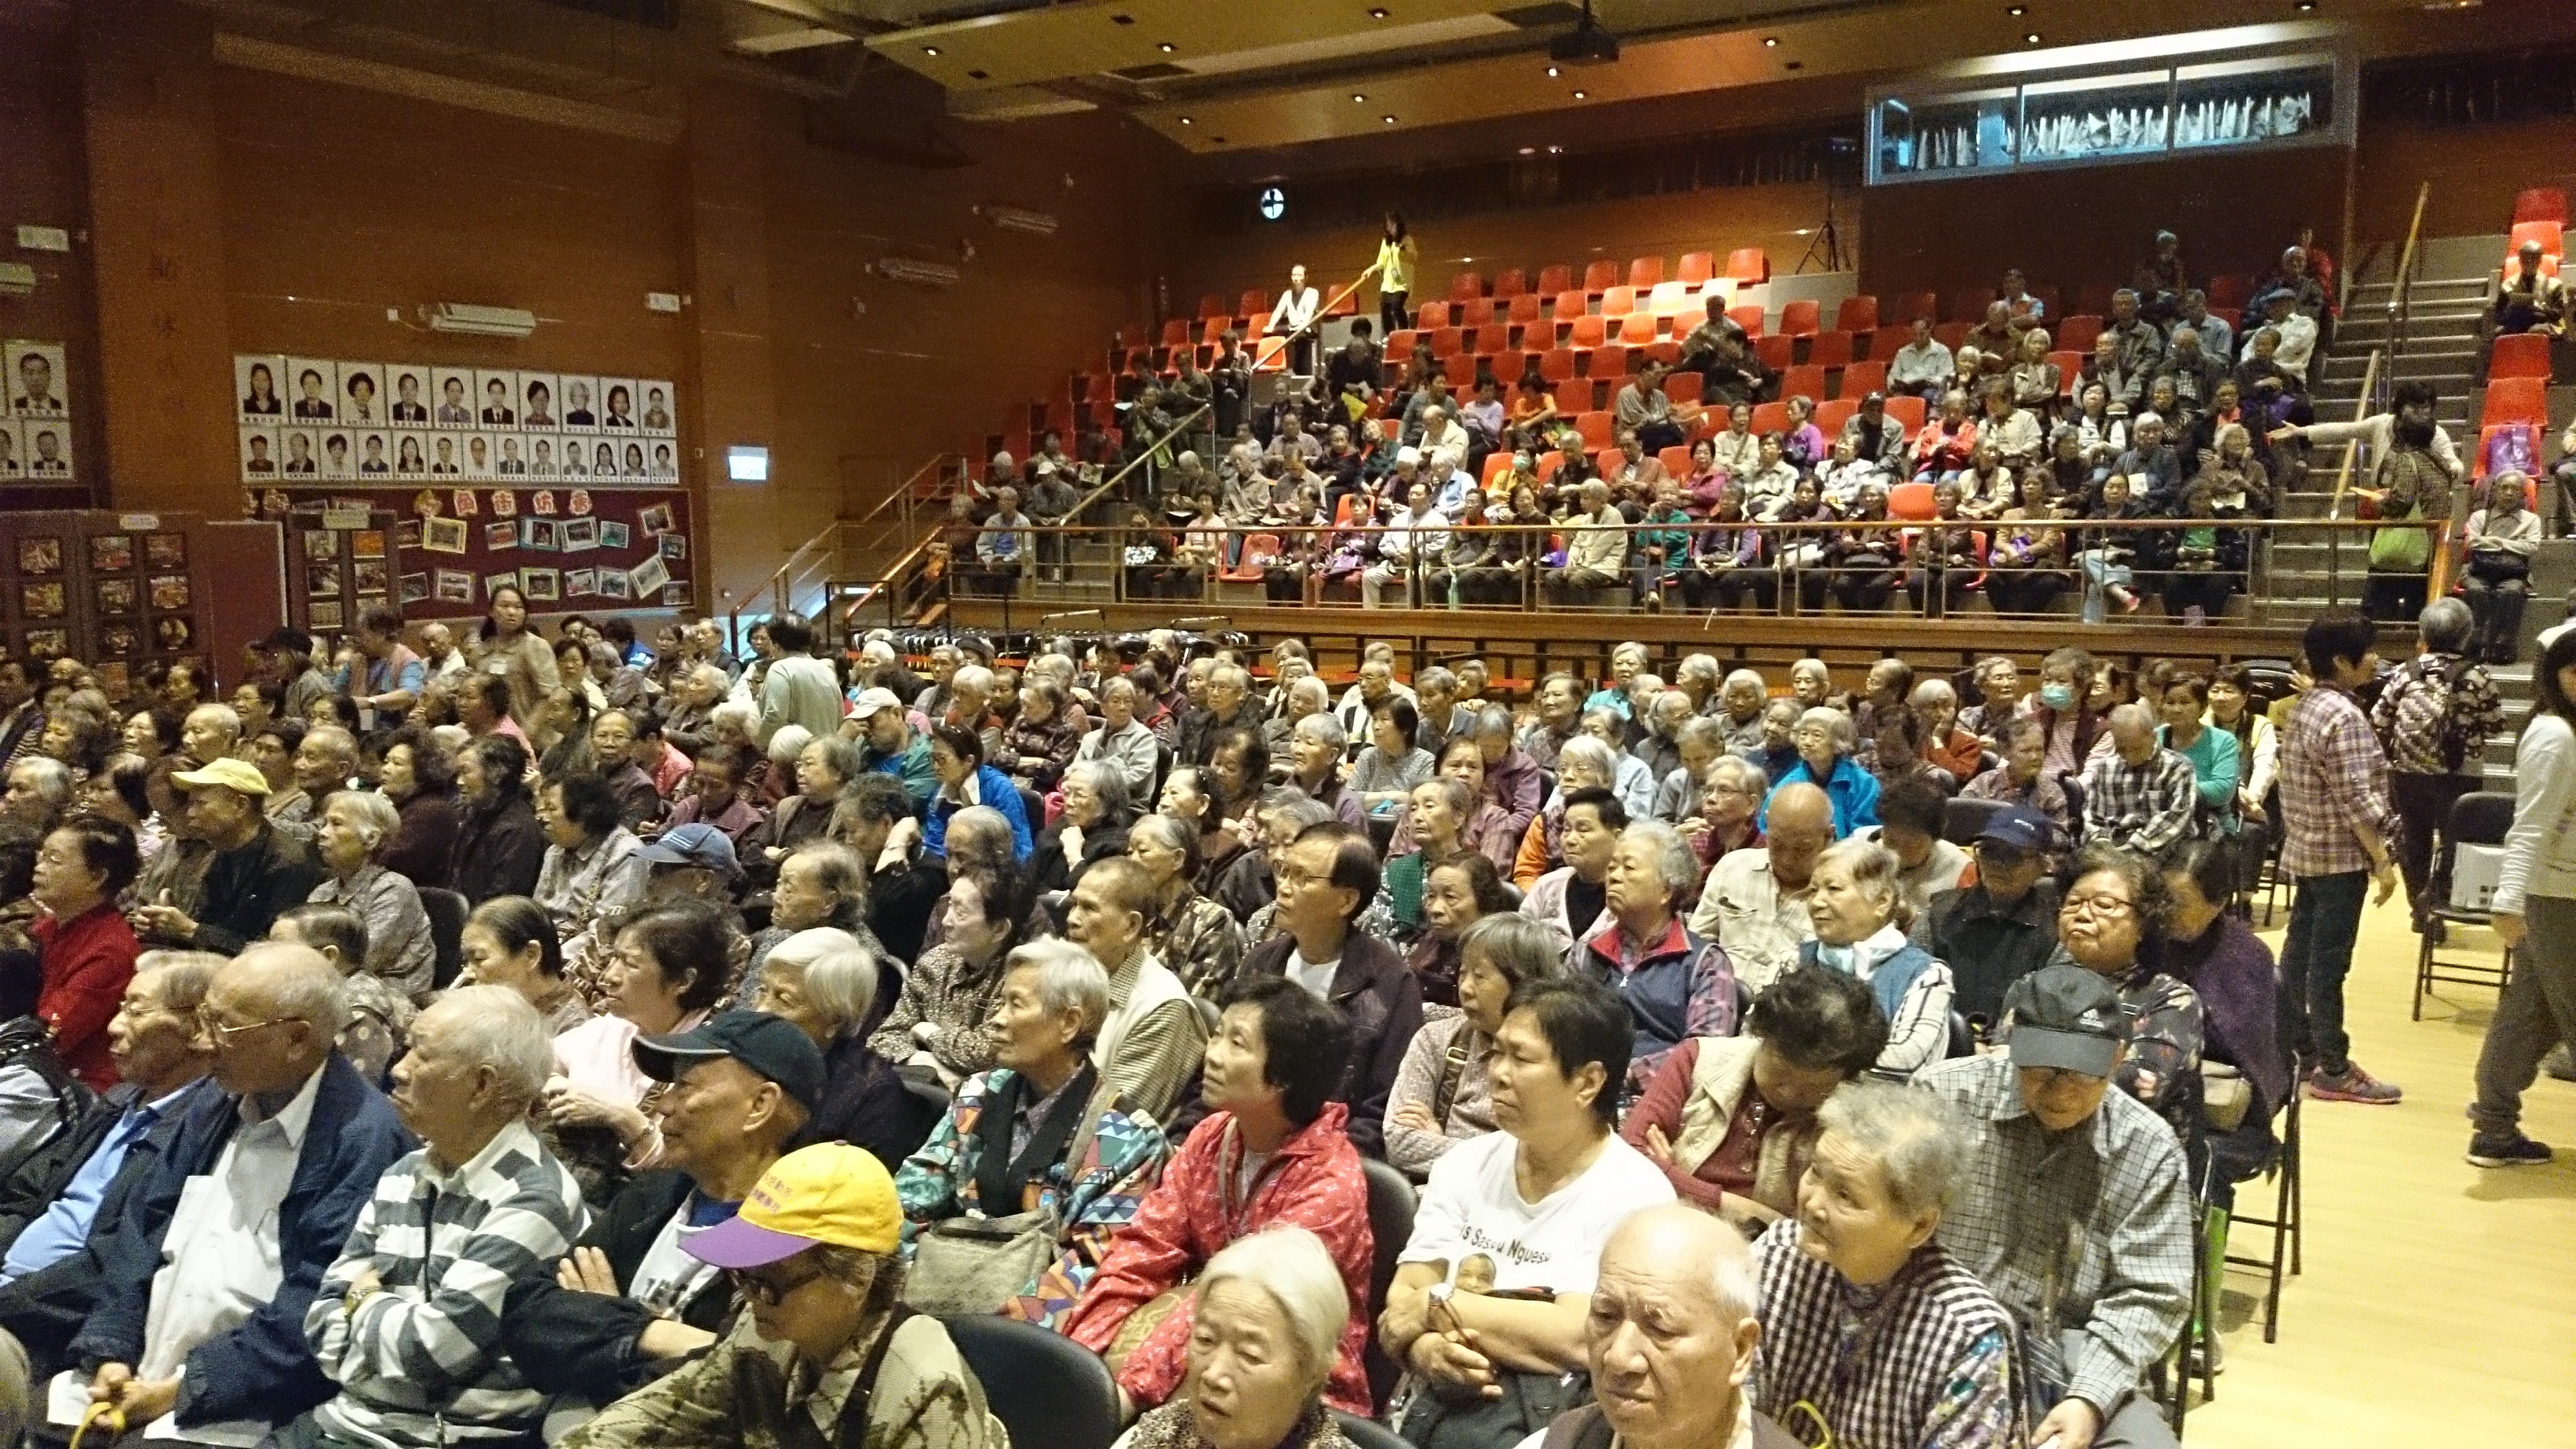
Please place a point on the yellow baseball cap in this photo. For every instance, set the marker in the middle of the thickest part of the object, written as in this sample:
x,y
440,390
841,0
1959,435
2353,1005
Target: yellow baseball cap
x,y
240,776
828,1193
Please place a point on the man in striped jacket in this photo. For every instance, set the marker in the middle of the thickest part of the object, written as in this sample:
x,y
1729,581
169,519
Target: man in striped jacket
x,y
408,1321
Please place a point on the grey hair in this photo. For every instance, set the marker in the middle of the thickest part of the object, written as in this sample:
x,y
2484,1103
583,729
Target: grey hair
x,y
1746,773
1310,686
1585,750
224,715
1241,676
1493,719
1069,979
973,676
1520,947
735,712
1741,676
1700,729
708,675
1846,734
2445,625
313,990
371,815
1297,814
1435,677
840,975
1675,861
51,777
1106,781
1874,868
1324,729
1914,1137
789,742
1289,1264
1932,691
1785,703
1698,666
1163,830
184,976
495,1026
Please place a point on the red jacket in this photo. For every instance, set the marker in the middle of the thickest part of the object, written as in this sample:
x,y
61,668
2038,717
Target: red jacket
x,y
1313,1180
88,960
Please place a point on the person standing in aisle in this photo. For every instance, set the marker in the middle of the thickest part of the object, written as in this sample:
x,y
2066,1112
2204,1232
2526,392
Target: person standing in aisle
x,y
2535,915
1293,317
1396,259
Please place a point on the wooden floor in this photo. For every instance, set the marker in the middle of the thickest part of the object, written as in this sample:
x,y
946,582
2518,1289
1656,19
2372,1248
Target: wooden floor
x,y
2439,1301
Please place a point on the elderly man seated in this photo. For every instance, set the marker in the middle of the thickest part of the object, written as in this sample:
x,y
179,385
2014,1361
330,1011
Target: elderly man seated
x,y
1755,901
2076,1210
1669,1342
626,1303
818,1356
1490,1302
1153,1034
205,1288
1869,1326
408,1321
1039,1133
2138,794
256,872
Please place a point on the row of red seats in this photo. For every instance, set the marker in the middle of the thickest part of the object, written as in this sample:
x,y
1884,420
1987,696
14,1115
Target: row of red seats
x,y
1745,266
1596,428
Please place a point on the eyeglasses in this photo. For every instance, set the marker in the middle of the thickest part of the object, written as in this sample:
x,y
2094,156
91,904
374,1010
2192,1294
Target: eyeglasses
x,y
222,1033
758,1289
2105,906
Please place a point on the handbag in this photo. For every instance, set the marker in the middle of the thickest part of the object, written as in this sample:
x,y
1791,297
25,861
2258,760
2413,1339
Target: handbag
x,y
2225,1095
975,1265
1529,1402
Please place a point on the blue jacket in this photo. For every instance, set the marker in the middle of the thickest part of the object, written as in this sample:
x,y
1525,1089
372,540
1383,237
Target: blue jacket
x,y
997,791
1853,790
263,1369
1893,978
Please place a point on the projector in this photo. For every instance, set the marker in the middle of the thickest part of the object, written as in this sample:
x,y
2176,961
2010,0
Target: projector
x,y
1585,44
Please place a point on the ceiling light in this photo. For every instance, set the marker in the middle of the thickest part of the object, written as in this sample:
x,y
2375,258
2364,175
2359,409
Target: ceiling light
x,y
1578,95
1552,72
930,50
1216,140
2032,38
1378,13
1529,150
1166,47
1556,150
1358,99
1122,19
979,75
1390,120
1185,120
1771,40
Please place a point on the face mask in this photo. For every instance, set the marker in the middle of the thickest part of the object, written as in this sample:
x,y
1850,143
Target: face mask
x,y
2057,696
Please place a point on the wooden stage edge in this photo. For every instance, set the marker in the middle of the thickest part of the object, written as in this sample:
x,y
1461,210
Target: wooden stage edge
x,y
1568,637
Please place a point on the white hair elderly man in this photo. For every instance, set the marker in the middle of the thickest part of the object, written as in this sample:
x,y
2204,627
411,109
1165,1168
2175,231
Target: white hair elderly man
x,y
39,790
202,1320
2139,794
1669,1339
408,1321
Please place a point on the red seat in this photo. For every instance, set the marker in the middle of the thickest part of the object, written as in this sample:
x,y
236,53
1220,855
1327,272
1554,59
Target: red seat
x,y
2525,355
1608,460
1513,283
1800,319
1399,345
1637,328
1911,502
1213,330
1446,341
1618,301
2230,293
1970,306
1695,269
1511,367
2516,400
1600,276
1464,285
1570,304
2550,235
1431,316
1863,378
1176,332
1212,305
1259,550
1594,429
1524,308
1347,305
2540,203
1556,364
1475,311
2093,297
1951,334
1770,417
1807,382
1549,462
1493,339
1829,349
2076,333
2069,365
1748,317
1645,272
1857,314
1573,397
1884,342
1497,463
1609,361
1917,304
1553,279
1830,416
1460,369
1676,461
2047,295
1908,410
2478,465
1776,352
1684,387
1590,331
1748,266
1667,352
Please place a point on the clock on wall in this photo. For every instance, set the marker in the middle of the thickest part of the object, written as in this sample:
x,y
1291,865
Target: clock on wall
x,y
1272,203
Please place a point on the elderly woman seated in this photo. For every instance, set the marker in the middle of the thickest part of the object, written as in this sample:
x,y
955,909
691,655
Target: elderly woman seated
x,y
1194,936
510,941
1871,1331
1268,1312
1038,1134
354,823
949,994
1490,1298
1826,739
1093,825
1677,983
1732,1119
1274,1149
666,971
814,1250
823,980
1582,763
1855,903
1444,1091
2112,923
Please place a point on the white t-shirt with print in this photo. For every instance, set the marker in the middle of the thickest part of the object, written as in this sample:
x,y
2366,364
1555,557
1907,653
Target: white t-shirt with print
x,y
1473,1206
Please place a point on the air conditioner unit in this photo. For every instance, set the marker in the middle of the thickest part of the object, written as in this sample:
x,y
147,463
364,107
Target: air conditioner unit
x,y
919,273
1015,218
480,321
17,279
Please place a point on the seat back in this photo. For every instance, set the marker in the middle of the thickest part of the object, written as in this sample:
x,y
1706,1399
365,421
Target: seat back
x,y
1829,349
1684,387
1590,331
1445,341
1907,410
1463,285
1911,502
1524,308
2550,235
447,911
1368,1433
1807,381
1830,416
1253,303
1512,283
1176,332
1676,461
1262,549
2076,333
1770,417
2487,437
1801,318
1044,1387
2516,400
1748,265
1609,360
1594,428
1917,304
1748,317
1554,278
1963,819
1212,306
1475,311
1618,301
1951,334
2540,203
1645,272
1497,463
1637,328
1399,346
1886,342
1460,370
1857,314
1670,299
1861,379
1556,364
1776,353
2230,293
1431,316
1962,1041
1573,397
2523,354
1601,276
2481,817
1695,268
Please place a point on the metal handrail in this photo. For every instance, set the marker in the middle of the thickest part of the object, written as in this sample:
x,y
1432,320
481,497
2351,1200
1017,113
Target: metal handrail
x,y
2343,476
776,583
2401,300
1130,466
1312,323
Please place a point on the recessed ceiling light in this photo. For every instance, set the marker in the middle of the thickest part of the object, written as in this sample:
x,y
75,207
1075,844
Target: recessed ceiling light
x,y
1378,13
1216,140
1553,72
1165,47
1556,150
930,50
1122,19
2032,38
1358,99
1579,95
1771,40
1390,120
1793,65
1529,150
2016,10
1185,120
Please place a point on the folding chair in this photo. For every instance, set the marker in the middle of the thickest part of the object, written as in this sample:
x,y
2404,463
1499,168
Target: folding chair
x,y
2479,818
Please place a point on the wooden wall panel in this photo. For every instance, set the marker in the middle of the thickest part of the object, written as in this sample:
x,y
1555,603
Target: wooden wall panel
x,y
46,183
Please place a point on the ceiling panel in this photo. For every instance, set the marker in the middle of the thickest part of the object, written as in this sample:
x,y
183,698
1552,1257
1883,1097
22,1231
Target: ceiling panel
x,y
1088,37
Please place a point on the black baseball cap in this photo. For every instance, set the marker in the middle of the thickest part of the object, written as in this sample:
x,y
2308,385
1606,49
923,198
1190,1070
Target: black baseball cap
x,y
2017,827
773,1046
2065,1016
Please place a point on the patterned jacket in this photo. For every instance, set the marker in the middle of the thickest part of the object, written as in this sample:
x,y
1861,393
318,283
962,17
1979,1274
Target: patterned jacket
x,y
1202,943
1093,1190
1924,1361
1313,1180
944,989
